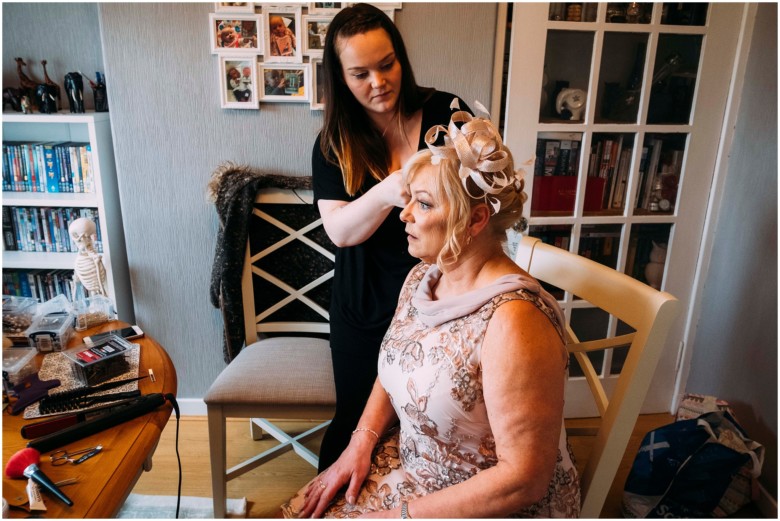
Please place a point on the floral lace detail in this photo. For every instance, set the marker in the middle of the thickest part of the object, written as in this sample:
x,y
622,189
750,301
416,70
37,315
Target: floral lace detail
x,y
467,387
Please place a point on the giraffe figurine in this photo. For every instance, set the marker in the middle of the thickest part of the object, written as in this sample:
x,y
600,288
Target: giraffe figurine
x,y
53,85
24,81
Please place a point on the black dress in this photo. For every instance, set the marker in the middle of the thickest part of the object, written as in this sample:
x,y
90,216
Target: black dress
x,y
366,284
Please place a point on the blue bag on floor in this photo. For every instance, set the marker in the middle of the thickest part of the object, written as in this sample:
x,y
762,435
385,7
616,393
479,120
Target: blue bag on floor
x,y
703,467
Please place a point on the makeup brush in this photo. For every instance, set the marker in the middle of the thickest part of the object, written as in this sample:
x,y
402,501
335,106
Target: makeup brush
x,y
24,464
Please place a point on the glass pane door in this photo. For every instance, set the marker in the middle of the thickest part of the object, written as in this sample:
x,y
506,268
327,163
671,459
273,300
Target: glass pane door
x,y
622,143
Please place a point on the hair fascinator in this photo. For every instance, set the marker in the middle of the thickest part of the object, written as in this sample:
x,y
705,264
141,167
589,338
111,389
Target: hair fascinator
x,y
475,144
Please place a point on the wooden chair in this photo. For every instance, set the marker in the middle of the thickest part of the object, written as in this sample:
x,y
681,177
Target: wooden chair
x,y
286,291
648,311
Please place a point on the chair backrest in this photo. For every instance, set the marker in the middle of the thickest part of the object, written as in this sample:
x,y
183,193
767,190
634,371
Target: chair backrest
x,y
650,313
288,266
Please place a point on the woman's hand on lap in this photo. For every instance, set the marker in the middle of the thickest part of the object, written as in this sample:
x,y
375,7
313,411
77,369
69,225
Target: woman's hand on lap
x,y
351,468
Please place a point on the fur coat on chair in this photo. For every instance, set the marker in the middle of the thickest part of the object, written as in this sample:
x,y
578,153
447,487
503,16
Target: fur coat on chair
x,y
233,189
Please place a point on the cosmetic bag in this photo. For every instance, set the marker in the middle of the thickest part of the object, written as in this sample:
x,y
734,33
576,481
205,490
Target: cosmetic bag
x,y
700,467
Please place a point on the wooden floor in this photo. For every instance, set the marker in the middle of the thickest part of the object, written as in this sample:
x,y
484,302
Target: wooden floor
x,y
271,484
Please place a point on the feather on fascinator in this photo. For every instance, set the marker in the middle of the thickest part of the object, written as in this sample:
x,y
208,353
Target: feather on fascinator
x,y
476,145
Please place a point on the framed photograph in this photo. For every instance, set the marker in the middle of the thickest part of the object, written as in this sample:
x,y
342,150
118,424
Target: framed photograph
x,y
315,27
238,82
282,29
326,7
284,82
234,7
384,6
318,89
236,33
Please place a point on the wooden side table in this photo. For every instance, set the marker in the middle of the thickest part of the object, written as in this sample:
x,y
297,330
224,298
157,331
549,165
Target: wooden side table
x,y
105,480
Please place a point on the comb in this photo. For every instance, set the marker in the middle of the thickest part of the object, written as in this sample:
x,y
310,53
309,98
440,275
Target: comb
x,y
64,401
81,402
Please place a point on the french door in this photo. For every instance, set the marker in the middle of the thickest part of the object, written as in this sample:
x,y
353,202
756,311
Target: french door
x,y
621,105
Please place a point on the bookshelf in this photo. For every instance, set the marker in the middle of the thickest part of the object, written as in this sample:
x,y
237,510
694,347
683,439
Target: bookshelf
x,y
626,184
96,195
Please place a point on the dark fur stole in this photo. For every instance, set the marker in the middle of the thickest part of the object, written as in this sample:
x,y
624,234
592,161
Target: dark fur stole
x,y
233,189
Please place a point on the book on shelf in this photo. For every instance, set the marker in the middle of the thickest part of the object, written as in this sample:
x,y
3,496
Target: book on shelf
x,y
63,166
562,242
63,160
656,146
551,150
554,237
610,160
557,154
9,234
39,284
613,147
51,168
539,159
86,167
568,158
621,179
599,248
45,229
641,177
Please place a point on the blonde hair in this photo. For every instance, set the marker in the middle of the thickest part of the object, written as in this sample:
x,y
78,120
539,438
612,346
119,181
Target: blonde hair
x,y
459,195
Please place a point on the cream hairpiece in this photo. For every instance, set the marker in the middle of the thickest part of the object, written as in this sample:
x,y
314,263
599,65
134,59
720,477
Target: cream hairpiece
x,y
478,147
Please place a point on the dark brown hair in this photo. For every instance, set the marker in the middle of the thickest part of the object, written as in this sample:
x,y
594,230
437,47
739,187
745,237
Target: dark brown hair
x,y
348,137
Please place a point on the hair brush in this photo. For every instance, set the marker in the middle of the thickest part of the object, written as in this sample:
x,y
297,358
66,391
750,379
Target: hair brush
x,y
24,464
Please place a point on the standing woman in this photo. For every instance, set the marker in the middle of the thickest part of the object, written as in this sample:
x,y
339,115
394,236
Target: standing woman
x,y
374,113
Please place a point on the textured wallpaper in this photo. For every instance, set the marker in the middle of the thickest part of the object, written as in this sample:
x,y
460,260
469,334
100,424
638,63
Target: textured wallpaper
x,y
66,35
170,133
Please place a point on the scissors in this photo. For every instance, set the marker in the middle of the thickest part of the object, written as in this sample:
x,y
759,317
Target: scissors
x,y
62,457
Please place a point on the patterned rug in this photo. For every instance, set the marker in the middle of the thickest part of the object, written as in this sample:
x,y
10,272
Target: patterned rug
x,y
140,506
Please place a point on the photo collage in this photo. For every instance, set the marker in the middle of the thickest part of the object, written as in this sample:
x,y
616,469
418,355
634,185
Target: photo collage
x,y
272,52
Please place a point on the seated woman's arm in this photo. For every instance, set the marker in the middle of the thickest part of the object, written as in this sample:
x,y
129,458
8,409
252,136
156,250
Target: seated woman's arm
x,y
523,370
353,465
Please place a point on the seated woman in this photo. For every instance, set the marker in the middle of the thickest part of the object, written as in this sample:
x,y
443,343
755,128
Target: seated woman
x,y
472,367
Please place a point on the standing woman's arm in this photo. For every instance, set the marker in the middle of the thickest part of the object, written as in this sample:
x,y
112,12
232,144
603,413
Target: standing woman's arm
x,y
351,223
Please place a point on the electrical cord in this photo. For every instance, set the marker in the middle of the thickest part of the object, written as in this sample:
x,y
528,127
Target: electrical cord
x,y
171,398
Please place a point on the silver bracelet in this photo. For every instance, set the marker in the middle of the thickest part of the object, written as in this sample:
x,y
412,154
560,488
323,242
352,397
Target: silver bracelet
x,y
405,510
366,429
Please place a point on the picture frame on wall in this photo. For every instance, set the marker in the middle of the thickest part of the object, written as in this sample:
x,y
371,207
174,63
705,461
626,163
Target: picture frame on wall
x,y
330,8
283,34
234,7
238,82
318,88
315,28
283,82
384,6
236,33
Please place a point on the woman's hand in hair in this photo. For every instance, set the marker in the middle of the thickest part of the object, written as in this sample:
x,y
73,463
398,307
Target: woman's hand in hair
x,y
394,190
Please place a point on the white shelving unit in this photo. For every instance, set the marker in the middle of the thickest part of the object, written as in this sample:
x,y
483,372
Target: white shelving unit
x,y
95,128
593,54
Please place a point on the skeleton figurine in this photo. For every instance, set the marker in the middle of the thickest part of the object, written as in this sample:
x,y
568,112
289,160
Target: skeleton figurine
x,y
89,269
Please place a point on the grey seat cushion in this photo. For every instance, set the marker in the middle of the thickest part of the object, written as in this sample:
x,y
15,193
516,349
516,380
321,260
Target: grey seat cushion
x,y
296,370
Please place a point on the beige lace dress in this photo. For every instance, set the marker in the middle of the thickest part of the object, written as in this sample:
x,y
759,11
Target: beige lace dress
x,y
430,367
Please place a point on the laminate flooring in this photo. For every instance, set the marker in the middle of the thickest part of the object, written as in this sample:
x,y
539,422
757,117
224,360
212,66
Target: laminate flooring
x,y
269,485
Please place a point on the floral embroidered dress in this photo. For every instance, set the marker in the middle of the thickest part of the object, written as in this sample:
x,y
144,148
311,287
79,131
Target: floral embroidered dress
x,y
430,367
